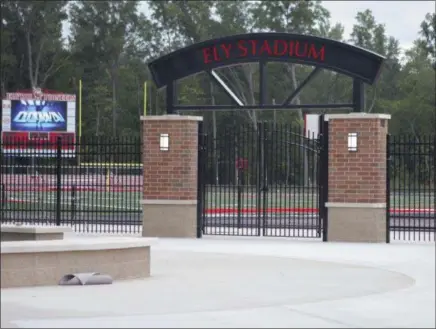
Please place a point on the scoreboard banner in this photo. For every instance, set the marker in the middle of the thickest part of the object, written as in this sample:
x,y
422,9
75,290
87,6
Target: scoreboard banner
x,y
33,120
52,118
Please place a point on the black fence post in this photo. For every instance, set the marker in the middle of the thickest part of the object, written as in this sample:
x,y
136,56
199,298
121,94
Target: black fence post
x,y
388,190
58,180
200,180
240,173
324,179
265,141
3,199
259,173
73,203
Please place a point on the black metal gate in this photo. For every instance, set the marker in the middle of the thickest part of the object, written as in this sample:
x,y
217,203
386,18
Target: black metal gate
x,y
263,180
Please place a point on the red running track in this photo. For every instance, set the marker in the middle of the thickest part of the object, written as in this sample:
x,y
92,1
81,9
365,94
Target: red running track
x,y
222,211
302,210
88,183
110,188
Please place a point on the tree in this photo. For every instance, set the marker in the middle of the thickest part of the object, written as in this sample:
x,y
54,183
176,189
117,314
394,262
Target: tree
x,y
33,37
369,34
8,61
111,42
414,110
107,36
428,40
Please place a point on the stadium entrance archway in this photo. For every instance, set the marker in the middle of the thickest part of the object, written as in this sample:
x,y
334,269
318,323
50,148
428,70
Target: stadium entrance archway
x,y
266,142
361,65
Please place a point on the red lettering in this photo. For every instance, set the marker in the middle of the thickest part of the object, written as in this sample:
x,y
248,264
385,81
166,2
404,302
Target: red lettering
x,y
226,48
243,48
276,48
206,56
216,55
297,49
253,47
316,55
265,48
291,48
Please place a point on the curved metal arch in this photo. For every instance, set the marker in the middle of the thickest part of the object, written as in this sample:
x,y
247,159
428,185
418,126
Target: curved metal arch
x,y
343,58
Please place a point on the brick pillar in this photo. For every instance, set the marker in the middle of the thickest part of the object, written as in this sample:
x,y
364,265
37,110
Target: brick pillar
x,y
357,179
169,200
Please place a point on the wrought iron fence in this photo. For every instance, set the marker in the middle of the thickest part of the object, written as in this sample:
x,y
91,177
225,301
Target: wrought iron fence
x,y
411,187
92,185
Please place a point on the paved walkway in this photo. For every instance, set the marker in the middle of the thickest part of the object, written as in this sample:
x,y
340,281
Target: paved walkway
x,y
247,282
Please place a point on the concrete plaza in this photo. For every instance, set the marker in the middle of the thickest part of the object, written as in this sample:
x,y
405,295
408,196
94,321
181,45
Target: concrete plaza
x,y
247,282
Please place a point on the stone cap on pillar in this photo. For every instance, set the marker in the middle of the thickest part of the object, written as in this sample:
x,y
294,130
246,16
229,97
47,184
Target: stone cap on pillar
x,y
169,117
355,116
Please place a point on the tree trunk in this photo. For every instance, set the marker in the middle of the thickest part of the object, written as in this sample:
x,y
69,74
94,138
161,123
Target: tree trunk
x,y
138,93
114,108
3,89
301,119
97,125
30,62
37,64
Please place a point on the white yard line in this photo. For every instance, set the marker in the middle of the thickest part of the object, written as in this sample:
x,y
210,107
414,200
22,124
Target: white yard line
x,y
81,205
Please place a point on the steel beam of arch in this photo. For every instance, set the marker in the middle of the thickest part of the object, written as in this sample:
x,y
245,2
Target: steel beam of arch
x,y
220,82
262,107
295,93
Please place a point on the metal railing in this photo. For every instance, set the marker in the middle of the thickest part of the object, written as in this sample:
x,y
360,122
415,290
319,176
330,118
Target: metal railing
x,y
96,187
411,189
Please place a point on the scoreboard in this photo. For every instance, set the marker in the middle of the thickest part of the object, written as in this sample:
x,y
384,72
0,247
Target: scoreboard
x,y
34,120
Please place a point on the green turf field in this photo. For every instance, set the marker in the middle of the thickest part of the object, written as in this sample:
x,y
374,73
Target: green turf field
x,y
301,200
129,201
87,201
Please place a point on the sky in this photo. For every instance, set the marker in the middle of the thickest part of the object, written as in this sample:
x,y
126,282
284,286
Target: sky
x,y
402,19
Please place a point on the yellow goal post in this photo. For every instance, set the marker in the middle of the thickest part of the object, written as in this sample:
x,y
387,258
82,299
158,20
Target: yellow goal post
x,y
108,168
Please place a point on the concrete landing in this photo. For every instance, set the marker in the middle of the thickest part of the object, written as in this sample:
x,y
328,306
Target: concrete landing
x,y
247,282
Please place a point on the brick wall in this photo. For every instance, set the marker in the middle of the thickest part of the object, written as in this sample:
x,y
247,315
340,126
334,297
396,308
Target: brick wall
x,y
357,177
172,174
